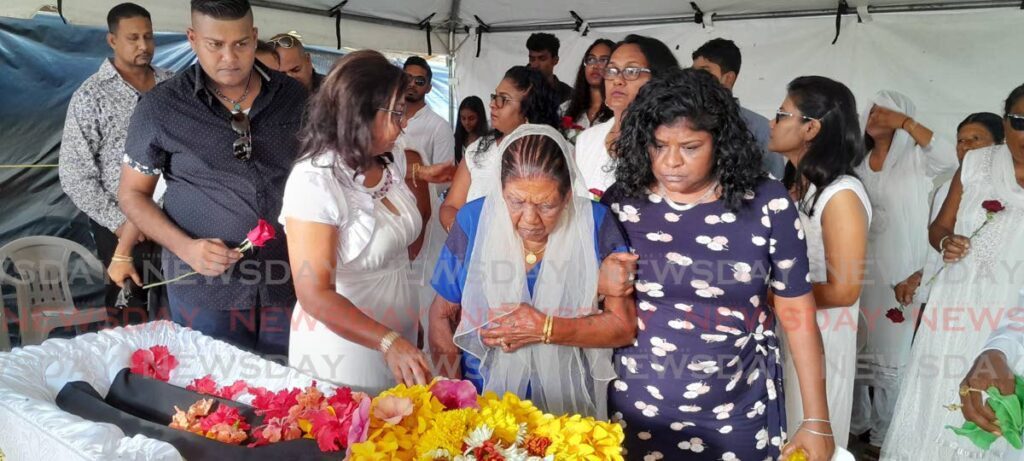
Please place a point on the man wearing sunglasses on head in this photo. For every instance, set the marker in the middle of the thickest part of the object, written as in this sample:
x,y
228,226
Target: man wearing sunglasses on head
x,y
223,134
722,58
295,61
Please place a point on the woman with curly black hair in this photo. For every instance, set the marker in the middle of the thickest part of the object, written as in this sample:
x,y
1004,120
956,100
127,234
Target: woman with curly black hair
x,y
522,96
712,233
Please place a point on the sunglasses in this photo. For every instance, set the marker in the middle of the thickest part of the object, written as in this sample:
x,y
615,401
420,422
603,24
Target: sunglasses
x,y
628,73
499,100
1016,121
592,60
419,81
779,115
243,145
285,41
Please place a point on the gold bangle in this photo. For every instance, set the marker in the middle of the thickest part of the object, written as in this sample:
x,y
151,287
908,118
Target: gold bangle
x,y
121,259
387,341
415,169
549,325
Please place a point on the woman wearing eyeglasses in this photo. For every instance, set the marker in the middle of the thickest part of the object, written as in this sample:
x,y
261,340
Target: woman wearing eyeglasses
x,y
586,107
903,160
350,218
817,131
522,96
979,281
631,65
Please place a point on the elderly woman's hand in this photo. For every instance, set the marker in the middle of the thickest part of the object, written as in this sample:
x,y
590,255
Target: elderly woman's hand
x,y
990,369
521,327
954,248
617,275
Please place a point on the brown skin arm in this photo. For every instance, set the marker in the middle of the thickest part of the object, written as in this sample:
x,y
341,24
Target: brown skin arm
x,y
421,190
444,318
844,228
456,197
956,246
615,326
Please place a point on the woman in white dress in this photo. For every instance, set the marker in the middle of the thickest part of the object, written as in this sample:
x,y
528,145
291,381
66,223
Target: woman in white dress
x,y
904,158
816,129
631,66
522,96
981,129
350,219
975,292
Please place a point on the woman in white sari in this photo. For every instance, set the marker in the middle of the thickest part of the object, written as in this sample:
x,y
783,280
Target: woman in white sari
x,y
904,158
520,272
975,292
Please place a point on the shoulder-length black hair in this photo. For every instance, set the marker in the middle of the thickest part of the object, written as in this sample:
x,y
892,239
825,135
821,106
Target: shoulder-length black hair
x,y
839,145
540,105
705,105
580,102
340,116
659,56
476,105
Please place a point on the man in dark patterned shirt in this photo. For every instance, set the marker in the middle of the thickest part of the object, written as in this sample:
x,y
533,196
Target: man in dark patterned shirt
x,y
93,143
223,134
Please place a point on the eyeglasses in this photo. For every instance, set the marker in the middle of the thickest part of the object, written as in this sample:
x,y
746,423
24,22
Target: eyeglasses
x,y
499,100
419,81
243,145
627,73
591,61
779,115
398,115
1016,121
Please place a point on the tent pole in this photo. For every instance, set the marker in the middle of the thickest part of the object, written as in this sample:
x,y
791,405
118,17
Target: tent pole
x,y
453,103
688,18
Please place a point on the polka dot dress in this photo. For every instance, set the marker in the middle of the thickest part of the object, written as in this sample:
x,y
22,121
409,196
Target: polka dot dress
x,y
704,378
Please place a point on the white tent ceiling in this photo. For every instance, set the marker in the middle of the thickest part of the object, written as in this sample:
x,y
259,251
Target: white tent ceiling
x,y
392,24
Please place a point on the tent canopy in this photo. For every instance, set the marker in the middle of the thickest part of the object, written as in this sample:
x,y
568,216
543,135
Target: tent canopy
x,y
400,25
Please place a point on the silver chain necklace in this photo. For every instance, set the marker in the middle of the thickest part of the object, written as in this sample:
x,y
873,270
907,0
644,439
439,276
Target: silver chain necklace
x,y
686,206
236,105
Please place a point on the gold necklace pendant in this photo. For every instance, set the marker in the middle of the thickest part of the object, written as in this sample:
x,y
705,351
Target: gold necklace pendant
x,y
531,258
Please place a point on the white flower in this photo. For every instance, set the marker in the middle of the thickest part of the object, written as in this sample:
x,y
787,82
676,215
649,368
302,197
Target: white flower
x,y
648,287
705,366
671,217
658,342
735,360
650,411
643,435
695,445
699,284
741,272
640,405
477,437
755,300
728,218
710,292
655,392
766,222
758,240
630,214
725,429
694,390
712,219
641,325
621,386
727,329
732,381
713,338
630,364
729,456
741,342
680,425
659,237
778,286
646,306
778,204
753,376
680,324
684,307
722,411
762,438
771,389
679,259
654,198
653,456
689,408
757,410
657,367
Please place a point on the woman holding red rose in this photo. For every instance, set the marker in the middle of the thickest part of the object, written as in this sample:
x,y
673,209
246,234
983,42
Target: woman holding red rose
x,y
980,232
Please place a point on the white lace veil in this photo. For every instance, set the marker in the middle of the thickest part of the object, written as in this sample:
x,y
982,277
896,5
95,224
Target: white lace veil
x,y
561,379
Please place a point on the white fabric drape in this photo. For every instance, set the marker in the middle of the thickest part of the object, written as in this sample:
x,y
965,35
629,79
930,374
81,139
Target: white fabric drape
x,y
560,379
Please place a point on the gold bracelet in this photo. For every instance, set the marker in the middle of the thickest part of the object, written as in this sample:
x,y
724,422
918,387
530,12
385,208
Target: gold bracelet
x,y
121,259
549,325
415,169
387,341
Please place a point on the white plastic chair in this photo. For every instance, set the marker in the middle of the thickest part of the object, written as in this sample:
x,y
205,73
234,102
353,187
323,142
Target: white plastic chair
x,y
43,288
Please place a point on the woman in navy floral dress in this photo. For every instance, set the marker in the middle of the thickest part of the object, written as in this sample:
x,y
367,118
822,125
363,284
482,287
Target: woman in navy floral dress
x,y
714,236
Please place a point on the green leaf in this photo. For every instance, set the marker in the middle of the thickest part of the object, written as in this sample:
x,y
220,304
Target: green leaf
x,y
978,436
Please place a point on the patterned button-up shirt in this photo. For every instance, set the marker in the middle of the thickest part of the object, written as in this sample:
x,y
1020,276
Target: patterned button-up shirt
x,y
93,144
181,131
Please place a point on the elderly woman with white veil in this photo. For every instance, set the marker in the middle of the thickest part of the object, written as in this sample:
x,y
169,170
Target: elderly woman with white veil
x,y
518,281
904,159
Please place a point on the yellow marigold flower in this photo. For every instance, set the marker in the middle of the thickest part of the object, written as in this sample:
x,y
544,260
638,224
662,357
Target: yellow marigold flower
x,y
384,447
446,433
498,417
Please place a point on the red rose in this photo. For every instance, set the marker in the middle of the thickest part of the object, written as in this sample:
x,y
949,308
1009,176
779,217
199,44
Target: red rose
x,y
895,315
597,193
993,206
155,362
260,234
567,123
